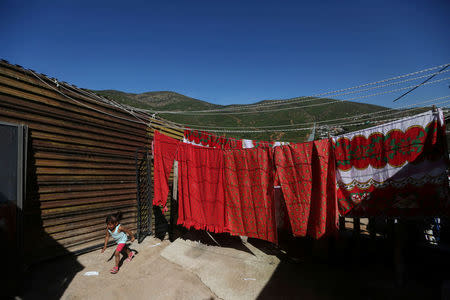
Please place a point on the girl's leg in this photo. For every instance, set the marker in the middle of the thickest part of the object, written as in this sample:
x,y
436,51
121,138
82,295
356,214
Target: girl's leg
x,y
117,256
130,254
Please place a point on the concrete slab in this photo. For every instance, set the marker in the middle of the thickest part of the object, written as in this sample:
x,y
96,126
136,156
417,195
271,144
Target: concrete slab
x,y
229,273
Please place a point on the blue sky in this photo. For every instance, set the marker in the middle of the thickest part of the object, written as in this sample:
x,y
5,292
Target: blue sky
x,y
229,51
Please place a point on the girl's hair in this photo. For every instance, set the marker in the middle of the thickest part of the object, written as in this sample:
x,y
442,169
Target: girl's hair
x,y
114,218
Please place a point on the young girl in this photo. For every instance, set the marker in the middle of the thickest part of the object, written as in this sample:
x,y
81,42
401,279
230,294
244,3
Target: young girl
x,y
119,233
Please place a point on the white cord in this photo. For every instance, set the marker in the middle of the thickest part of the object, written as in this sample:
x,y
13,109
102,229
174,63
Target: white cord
x,y
306,99
288,101
296,107
317,122
309,128
85,105
113,103
229,131
108,101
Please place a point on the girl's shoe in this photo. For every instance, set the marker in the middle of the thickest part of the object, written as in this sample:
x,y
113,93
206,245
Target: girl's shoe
x,y
130,256
114,270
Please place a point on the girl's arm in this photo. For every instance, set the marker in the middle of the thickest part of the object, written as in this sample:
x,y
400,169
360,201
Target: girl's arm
x,y
106,240
128,232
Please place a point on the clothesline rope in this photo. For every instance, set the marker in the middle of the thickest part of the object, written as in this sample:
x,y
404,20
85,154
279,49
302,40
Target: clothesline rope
x,y
110,102
191,113
372,173
199,127
130,109
308,128
288,101
84,104
312,98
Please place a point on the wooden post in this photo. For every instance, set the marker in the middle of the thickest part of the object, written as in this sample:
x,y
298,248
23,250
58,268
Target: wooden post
x,y
356,227
372,228
341,223
174,233
175,180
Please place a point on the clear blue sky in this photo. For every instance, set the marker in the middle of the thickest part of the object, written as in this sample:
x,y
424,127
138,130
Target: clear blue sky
x,y
228,51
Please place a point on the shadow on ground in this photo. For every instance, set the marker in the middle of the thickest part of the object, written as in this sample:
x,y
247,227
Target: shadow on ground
x,y
350,268
223,240
24,252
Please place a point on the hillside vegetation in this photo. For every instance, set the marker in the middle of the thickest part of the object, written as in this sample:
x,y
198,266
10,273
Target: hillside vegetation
x,y
165,100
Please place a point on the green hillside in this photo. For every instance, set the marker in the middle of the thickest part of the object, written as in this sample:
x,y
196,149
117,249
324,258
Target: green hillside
x,y
164,100
161,101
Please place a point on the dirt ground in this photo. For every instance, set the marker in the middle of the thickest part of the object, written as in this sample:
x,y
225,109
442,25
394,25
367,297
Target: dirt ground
x,y
147,276
303,270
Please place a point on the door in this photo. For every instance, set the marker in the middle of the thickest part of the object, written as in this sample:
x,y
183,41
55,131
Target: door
x,y
12,182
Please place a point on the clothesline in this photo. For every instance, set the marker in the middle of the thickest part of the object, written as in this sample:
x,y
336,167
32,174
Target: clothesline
x,y
395,169
395,111
430,101
320,95
131,110
192,113
315,98
365,122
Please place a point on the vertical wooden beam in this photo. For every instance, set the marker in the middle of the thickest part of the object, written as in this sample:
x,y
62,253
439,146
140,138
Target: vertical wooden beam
x,y
356,227
341,223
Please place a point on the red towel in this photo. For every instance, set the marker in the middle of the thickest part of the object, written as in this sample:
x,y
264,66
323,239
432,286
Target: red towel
x,y
164,151
249,193
307,175
210,140
200,184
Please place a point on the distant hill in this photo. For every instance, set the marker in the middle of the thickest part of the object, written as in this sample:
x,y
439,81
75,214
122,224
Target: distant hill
x,y
163,100
166,100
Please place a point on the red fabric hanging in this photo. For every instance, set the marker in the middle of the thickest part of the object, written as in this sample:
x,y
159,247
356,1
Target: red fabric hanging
x,y
281,213
396,169
249,193
165,150
210,140
262,144
201,191
307,175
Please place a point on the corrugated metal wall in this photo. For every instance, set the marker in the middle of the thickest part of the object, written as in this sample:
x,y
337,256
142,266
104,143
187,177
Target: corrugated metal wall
x,y
81,161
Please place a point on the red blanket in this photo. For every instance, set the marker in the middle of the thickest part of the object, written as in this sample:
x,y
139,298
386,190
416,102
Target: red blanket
x,y
164,152
249,193
201,191
307,175
210,140
396,169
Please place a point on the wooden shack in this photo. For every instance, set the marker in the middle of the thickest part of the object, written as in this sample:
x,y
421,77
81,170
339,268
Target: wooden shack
x,y
84,156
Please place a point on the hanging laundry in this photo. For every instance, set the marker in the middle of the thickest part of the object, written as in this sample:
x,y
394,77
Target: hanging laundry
x,y
395,169
306,172
164,153
281,213
206,139
249,195
201,203
277,144
262,144
248,144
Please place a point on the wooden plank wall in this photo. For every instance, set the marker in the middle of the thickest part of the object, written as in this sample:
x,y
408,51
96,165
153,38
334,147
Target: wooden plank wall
x,y
81,162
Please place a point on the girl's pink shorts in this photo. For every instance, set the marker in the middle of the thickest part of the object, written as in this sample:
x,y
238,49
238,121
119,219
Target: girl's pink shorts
x,y
120,247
